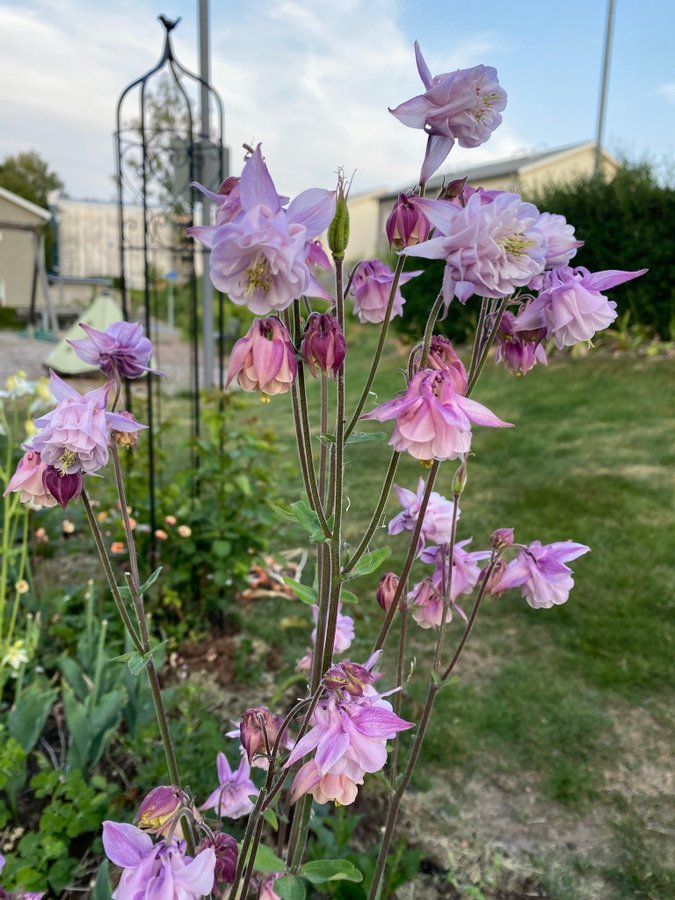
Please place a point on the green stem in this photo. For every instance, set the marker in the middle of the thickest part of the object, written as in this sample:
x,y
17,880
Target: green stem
x,y
489,340
429,330
398,696
375,518
448,584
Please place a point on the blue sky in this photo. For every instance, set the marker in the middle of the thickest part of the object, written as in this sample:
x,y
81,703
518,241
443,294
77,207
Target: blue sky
x,y
312,79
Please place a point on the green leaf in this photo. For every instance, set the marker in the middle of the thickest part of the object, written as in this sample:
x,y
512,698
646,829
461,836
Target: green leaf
x,y
290,887
348,597
267,861
271,818
308,519
137,661
369,562
101,889
302,591
284,513
322,870
27,719
361,437
243,484
151,580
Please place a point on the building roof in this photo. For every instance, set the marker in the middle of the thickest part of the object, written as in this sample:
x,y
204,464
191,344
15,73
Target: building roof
x,y
25,204
500,168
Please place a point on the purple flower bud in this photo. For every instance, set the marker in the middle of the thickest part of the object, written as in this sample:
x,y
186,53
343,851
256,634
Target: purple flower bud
x,y
157,813
386,590
62,487
348,676
323,345
502,537
453,189
225,848
407,224
256,724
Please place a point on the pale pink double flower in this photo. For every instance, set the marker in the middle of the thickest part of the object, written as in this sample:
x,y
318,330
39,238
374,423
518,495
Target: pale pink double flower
x,y
264,359
427,599
28,482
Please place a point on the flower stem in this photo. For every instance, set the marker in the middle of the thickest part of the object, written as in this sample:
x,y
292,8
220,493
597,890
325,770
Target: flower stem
x,y
448,584
375,518
398,696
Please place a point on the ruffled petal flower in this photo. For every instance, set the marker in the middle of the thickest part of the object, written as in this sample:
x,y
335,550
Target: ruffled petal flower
x,y
371,286
27,480
541,573
122,349
264,359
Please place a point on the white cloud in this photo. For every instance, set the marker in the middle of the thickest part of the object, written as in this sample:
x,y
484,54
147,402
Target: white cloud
x,y
667,91
311,79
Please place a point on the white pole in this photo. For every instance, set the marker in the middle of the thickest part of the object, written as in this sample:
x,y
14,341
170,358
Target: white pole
x,y
204,115
604,87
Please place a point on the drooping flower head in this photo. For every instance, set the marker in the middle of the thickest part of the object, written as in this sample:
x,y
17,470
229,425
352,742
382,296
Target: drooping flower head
x,y
258,730
465,569
232,797
264,359
122,349
560,245
323,345
225,848
259,257
371,287
158,812
541,574
433,421
437,525
442,358
75,436
159,871
28,482
462,106
386,590
407,224
519,350
227,200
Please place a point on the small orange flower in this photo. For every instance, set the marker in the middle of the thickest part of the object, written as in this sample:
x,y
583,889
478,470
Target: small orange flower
x,y
102,516
132,522
170,520
117,547
184,531
42,536
161,535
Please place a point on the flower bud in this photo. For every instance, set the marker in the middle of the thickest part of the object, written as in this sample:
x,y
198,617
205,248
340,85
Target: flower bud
x,y
459,480
492,586
157,813
63,488
226,851
126,439
407,225
338,230
348,676
501,538
257,724
386,590
453,189
323,345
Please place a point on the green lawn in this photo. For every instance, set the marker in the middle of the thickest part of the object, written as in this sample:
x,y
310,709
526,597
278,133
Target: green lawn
x,y
574,699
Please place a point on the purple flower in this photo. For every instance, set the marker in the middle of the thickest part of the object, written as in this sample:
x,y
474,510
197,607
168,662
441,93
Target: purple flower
x,y
62,487
465,568
371,286
258,729
433,421
559,241
323,345
427,604
158,812
407,225
571,306
232,797
226,850
437,524
266,890
121,349
489,248
519,350
259,257
159,871
386,590
228,205
351,677
344,631
264,359
541,574
75,435
28,481
442,358
462,106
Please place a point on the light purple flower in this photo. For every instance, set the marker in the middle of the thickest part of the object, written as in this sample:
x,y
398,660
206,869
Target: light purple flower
x,y
427,604
159,871
228,205
232,797
371,287
76,434
158,813
264,359
344,630
266,890
407,224
519,350
28,481
442,358
489,249
465,568
559,241
571,306
259,257
541,574
462,106
121,349
433,421
437,526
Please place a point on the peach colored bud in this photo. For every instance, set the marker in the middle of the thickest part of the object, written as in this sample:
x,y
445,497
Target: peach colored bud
x,y
42,536
161,535
22,586
102,516
170,520
184,531
68,527
117,547
127,439
132,522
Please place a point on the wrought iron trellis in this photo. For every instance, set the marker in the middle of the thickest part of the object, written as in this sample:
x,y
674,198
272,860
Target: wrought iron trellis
x,y
160,151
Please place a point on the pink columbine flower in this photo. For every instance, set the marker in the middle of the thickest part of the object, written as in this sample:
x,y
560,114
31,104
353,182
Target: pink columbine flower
x,y
433,421
323,345
386,590
371,286
462,106
344,630
259,257
489,249
407,225
159,871
122,349
571,305
443,358
232,797
258,729
349,737
465,568
264,359
519,350
158,813
427,604
437,526
541,574
560,245
76,434
27,480
228,205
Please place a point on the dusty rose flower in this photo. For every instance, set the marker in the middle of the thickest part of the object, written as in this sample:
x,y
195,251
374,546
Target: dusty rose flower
x,y
264,359
323,345
519,350
226,850
407,224
386,590
170,520
258,729
443,358
27,480
502,537
184,531
437,525
158,812
371,286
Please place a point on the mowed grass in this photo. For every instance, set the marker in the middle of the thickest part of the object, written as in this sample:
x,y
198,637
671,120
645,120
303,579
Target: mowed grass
x,y
590,459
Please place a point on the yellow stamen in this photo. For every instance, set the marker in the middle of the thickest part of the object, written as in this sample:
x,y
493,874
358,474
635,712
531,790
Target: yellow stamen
x,y
258,275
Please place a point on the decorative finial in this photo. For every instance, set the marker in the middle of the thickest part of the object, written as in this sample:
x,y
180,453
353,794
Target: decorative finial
x,y
168,23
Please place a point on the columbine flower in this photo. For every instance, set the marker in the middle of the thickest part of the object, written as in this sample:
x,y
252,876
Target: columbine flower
x,y
462,106
349,736
571,306
159,871
541,574
519,350
427,604
437,526
344,630
371,286
560,245
407,225
232,798
158,812
75,435
351,677
264,359
386,590
228,204
226,850
323,345
465,568
122,349
27,480
258,730
489,248
433,421
266,890
259,257
442,358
